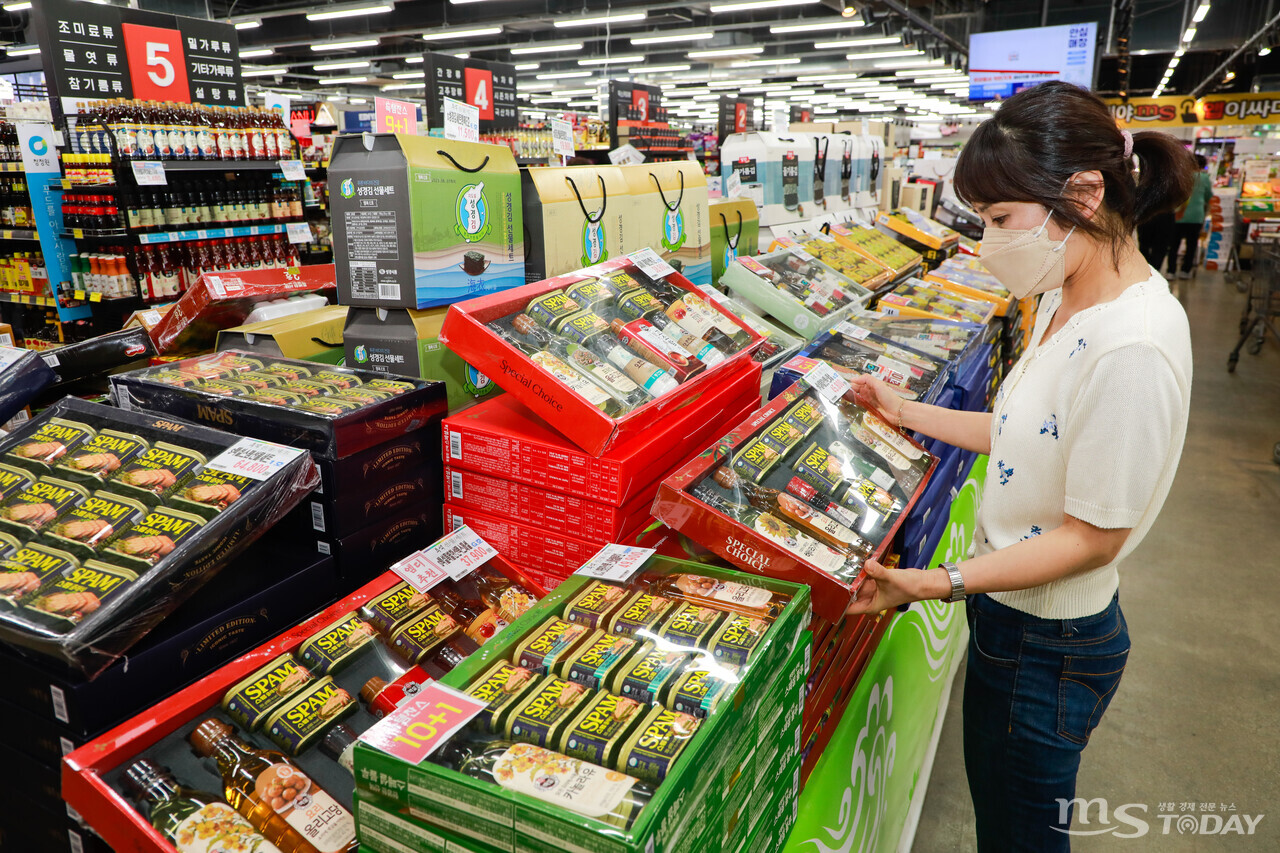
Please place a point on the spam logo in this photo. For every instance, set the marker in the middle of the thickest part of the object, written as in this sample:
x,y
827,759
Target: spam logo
x,y
214,414
425,630
807,413
548,705
553,306
162,458
267,688
102,582
312,706
552,638
738,633
654,665
595,598
603,719
697,684
584,325
658,736
8,479
689,621
40,562
590,291
335,639
103,508
50,492
496,685
784,434
174,526
758,455
58,432
111,443
398,600
642,609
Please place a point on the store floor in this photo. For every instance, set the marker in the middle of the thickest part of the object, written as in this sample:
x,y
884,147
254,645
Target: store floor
x,y
1195,717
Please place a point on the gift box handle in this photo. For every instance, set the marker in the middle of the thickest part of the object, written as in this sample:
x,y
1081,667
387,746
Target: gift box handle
x,y
457,165
733,244
670,207
604,199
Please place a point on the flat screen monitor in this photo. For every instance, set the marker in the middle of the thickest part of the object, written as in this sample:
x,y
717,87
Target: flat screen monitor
x,y
1006,62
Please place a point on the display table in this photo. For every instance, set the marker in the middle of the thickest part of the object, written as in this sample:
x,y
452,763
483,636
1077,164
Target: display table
x,y
868,788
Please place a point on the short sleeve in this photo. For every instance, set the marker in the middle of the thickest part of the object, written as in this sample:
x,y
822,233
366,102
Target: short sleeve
x,y
1119,434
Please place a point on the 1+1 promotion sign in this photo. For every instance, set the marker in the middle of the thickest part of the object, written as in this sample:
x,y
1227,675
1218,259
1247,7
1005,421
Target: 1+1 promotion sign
x,y
95,52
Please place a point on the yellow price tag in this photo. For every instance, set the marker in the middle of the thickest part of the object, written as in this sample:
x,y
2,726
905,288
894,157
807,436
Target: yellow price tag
x,y
95,297
66,184
8,235
80,294
77,233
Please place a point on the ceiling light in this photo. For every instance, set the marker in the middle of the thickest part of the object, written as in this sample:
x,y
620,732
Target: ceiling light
x,y
1266,51
357,101
571,93
611,60
1231,75
1201,11
924,72
724,51
882,54
868,41
527,66
732,84
908,63
815,24
1179,52
343,81
564,75
745,5
249,71
338,66
700,35
592,20
462,54
415,60
658,69
243,25
394,87
1189,35
407,75
343,45
244,54
547,48
756,63
1173,63
465,32
349,12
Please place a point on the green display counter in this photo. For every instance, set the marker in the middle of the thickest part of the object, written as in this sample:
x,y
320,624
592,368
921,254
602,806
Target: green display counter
x,y
866,792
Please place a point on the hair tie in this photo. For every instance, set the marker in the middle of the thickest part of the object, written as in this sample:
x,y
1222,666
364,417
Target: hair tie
x,y
1128,143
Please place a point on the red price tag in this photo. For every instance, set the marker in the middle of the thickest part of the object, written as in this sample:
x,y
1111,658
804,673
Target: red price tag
x,y
640,101
415,729
157,65
479,91
739,117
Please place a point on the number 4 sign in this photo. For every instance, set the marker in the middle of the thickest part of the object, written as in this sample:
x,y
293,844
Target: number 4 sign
x,y
157,65
479,91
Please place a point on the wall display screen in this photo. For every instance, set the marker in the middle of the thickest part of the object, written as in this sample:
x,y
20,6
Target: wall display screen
x,y
1006,62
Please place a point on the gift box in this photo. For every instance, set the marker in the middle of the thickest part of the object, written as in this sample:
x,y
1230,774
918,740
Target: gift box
x,y
806,489
668,213
123,516
877,246
852,350
775,172
482,332
345,512
421,221
779,344
573,218
23,376
334,412
871,275
915,226
973,284
365,551
735,230
221,300
311,336
918,298
796,289
92,359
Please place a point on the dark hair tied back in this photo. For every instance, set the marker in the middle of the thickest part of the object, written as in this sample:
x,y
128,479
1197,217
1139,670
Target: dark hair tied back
x,y
1041,136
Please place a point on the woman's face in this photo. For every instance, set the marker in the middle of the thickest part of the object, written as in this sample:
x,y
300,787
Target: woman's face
x,y
1026,215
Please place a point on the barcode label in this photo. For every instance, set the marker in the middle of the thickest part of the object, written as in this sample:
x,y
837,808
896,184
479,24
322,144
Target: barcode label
x,y
388,290
77,843
651,264
67,746
73,814
455,521
849,330
455,445
455,484
50,359
59,703
317,516
323,548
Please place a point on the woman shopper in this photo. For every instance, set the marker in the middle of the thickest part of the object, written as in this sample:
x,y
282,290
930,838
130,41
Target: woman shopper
x,y
1084,440
1191,222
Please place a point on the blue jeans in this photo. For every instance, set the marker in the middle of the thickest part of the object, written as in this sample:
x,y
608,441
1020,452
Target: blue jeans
x,y
1033,692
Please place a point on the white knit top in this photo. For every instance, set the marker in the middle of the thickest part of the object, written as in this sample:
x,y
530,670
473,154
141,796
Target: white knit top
x,y
1090,423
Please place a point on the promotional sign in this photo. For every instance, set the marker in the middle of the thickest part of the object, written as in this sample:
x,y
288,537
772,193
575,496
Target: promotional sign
x,y
1006,62
801,114
1183,111
490,87
393,116
461,121
97,51
44,185
735,115
562,137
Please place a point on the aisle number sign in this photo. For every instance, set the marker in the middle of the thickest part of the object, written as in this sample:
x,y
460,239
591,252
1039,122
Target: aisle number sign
x,y
157,64
391,116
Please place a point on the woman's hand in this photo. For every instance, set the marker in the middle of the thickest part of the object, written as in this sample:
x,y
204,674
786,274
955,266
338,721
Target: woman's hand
x,y
878,393
885,589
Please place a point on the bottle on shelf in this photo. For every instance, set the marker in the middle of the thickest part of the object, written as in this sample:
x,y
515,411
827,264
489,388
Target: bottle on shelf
x,y
263,786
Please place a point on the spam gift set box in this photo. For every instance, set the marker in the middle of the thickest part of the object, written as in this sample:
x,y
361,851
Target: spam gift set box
x,y
424,221
109,519
607,717
864,271
603,353
289,712
23,375
919,298
807,489
331,411
795,288
877,246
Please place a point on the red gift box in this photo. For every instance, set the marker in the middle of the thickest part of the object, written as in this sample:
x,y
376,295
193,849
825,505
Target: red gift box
x,y
84,770
745,548
466,333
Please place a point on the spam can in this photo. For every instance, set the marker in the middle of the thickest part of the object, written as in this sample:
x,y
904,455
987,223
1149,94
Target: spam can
x,y
754,461
395,387
590,293
699,688
55,439
13,480
543,716
25,568
795,426
652,750
78,592
46,498
423,635
594,603
331,406
638,304
599,730
365,395
224,388
276,397
643,677
158,472
692,626
86,527
210,492
257,696
337,378
501,686
593,661
157,535
303,717
336,645
551,642
385,612
551,309
821,469
640,612
259,381
101,456
286,369
309,388
737,638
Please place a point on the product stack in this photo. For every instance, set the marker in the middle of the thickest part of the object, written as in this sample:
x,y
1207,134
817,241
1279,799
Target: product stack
x,y
614,377
373,437
796,289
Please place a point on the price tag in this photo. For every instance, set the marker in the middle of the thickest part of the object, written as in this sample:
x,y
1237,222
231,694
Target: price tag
x,y
461,121
149,173
825,238
754,265
625,155
801,253
151,318
881,479
733,185
257,460
299,232
562,137
293,170
8,355
651,264
615,563
454,556
852,332
418,727
823,379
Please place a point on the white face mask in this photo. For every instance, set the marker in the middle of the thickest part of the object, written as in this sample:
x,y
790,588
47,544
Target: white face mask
x,y
1024,260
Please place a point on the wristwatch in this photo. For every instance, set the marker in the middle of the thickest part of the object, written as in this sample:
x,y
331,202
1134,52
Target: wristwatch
x,y
957,583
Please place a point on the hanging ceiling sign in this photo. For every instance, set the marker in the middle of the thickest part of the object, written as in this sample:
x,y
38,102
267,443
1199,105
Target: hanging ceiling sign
x,y
490,87
735,115
1184,111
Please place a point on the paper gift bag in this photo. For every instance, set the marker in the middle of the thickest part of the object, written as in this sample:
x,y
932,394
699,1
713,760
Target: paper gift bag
x,y
573,218
735,230
669,214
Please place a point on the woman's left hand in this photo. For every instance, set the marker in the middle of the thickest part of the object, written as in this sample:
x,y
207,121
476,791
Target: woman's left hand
x,y
885,589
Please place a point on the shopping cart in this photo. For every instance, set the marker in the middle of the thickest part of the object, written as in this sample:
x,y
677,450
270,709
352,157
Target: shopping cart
x,y
1263,304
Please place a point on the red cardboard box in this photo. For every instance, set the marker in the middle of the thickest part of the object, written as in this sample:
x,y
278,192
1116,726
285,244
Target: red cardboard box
x,y
500,437
83,771
748,549
466,333
222,300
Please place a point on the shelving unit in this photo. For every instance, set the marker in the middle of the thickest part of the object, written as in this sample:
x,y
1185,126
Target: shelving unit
x,y
20,234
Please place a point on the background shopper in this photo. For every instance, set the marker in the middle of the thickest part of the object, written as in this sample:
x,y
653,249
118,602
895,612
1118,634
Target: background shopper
x,y
1084,441
1191,222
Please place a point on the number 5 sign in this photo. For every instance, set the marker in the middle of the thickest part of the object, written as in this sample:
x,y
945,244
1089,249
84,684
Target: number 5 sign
x,y
157,65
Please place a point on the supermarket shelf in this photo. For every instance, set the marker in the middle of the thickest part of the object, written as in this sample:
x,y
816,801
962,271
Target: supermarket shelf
x,y
19,234
218,165
157,237
26,299
15,166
